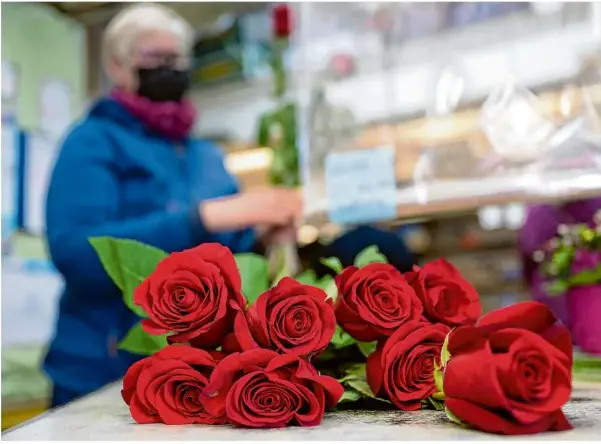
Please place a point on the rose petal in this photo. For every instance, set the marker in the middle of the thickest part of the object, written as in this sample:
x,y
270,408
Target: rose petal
x,y
490,422
530,315
463,378
374,371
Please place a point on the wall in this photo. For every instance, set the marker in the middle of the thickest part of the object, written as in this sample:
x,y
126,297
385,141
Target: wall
x,y
42,43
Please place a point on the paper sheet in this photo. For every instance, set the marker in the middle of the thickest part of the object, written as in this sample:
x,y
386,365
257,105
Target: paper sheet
x,y
41,153
9,175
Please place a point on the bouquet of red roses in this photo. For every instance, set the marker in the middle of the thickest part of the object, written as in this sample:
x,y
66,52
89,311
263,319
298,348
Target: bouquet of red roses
x,y
225,345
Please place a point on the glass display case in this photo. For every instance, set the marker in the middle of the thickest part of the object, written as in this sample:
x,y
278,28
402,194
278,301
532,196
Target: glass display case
x,y
409,109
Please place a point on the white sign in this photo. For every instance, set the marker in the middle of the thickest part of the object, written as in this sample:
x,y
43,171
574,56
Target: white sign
x,y
9,175
9,82
55,107
41,154
361,185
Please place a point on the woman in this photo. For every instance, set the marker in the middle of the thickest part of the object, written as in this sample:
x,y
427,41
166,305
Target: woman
x,y
131,170
542,222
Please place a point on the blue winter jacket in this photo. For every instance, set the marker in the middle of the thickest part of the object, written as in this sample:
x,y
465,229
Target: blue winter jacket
x,y
115,178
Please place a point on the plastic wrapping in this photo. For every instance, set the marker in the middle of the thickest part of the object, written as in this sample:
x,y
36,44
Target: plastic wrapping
x,y
443,113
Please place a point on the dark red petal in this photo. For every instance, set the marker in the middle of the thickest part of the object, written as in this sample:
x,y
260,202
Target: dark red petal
x,y
242,332
375,371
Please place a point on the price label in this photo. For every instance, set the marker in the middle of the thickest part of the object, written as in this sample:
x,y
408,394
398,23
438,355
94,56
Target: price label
x,y
361,185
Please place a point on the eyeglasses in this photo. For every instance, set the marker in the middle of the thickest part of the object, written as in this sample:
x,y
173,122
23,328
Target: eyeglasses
x,y
147,58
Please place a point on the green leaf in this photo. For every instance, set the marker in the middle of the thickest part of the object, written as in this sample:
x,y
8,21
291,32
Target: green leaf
x,y
444,352
341,339
333,263
557,287
349,396
263,131
361,386
452,416
367,348
329,286
438,378
308,278
353,370
254,271
140,342
369,256
326,283
586,277
128,263
437,404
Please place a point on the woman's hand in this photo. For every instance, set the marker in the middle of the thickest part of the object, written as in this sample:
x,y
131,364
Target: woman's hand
x,y
271,207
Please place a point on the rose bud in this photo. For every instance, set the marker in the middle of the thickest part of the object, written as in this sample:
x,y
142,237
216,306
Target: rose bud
x,y
282,21
374,301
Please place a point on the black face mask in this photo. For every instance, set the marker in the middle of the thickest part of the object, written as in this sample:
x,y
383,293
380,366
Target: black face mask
x,y
163,84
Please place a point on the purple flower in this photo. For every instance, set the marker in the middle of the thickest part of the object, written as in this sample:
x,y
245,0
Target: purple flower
x,y
585,260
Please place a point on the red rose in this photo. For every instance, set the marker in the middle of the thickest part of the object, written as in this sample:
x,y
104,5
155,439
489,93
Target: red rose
x,y
167,387
290,318
374,301
445,294
193,294
282,21
512,372
402,368
261,388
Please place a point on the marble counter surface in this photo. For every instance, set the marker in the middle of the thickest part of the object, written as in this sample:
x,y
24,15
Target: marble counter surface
x,y
103,415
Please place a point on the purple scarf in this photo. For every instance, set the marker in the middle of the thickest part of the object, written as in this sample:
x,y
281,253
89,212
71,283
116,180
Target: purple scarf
x,y
541,226
173,120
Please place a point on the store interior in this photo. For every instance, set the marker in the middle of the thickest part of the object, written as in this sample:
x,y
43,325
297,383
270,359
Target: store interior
x,y
484,107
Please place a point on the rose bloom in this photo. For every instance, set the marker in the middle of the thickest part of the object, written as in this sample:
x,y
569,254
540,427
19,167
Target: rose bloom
x,y
282,21
261,388
167,387
192,294
289,318
373,301
402,367
512,372
446,296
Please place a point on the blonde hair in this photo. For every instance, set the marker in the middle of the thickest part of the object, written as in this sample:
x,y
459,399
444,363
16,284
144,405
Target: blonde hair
x,y
129,24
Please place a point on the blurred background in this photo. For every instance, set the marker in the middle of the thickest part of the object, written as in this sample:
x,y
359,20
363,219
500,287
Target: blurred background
x,y
454,91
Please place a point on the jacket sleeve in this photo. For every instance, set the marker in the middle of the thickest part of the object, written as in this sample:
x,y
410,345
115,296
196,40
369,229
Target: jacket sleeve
x,y
83,201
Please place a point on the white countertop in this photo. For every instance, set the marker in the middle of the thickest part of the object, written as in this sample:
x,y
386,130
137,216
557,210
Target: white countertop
x,y
103,415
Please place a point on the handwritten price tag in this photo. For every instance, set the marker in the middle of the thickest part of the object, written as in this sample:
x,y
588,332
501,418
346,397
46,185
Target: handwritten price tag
x,y
361,185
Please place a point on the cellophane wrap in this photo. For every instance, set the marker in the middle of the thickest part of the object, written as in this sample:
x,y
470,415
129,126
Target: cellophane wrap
x,y
460,107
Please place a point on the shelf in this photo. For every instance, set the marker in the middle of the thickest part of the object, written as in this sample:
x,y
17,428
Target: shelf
x,y
454,196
